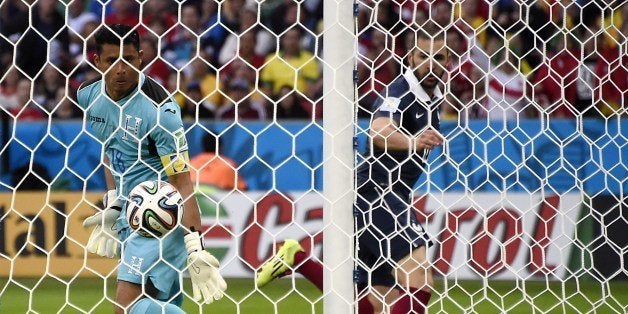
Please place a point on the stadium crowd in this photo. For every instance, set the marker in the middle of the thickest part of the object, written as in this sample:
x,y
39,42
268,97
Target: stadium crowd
x,y
238,58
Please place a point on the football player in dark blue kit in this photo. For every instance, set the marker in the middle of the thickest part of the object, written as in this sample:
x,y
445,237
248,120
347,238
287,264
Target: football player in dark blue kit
x,y
391,244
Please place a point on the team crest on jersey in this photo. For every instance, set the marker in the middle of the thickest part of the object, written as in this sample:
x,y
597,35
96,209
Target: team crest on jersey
x,y
131,126
390,104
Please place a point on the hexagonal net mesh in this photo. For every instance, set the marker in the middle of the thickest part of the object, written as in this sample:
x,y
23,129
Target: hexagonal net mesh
x,y
456,156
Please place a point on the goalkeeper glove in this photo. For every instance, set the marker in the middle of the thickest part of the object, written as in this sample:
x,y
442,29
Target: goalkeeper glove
x,y
203,269
104,238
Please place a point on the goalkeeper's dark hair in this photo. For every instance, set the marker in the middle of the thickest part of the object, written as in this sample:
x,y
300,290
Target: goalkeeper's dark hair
x,y
116,34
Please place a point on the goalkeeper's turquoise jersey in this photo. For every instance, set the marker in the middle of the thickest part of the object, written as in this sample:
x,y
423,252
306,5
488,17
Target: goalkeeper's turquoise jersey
x,y
142,134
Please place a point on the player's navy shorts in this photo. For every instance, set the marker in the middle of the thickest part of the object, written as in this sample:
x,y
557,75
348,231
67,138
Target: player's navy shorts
x,y
387,231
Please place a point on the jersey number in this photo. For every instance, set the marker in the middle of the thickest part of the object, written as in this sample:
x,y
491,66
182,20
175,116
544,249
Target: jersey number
x,y
117,162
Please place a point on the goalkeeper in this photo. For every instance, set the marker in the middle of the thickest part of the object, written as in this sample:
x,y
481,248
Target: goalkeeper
x,y
143,138
391,243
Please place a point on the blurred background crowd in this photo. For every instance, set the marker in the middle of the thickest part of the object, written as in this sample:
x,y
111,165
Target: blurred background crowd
x,y
243,59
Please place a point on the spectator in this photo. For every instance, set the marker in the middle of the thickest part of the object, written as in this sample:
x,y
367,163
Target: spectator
x,y
88,42
157,18
442,13
79,20
251,43
615,16
9,9
83,63
289,105
469,21
587,79
555,80
465,80
8,89
183,46
213,168
123,12
46,86
26,108
240,105
199,71
152,65
387,16
230,15
215,31
289,14
65,106
569,85
314,13
291,61
611,78
78,16
238,68
377,67
505,84
265,41
196,106
42,37
537,31
246,52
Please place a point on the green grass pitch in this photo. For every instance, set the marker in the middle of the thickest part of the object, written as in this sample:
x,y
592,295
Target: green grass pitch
x,y
86,295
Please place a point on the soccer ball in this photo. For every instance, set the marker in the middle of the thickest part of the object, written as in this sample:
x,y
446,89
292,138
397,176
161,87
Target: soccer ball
x,y
153,208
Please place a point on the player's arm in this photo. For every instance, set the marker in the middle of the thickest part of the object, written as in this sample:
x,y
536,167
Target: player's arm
x,y
207,283
109,180
104,237
385,134
191,214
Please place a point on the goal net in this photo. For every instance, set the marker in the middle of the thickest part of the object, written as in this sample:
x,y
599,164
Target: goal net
x,y
525,201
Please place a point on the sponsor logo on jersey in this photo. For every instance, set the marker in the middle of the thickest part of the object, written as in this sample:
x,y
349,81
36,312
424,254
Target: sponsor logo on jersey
x,y
96,119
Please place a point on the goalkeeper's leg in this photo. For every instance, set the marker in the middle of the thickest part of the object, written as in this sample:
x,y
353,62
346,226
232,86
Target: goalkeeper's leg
x,y
130,298
127,293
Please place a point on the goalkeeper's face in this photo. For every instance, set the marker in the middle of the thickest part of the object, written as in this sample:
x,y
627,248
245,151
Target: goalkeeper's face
x,y
119,68
428,61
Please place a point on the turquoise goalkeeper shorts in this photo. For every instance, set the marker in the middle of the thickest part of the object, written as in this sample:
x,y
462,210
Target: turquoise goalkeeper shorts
x,y
157,262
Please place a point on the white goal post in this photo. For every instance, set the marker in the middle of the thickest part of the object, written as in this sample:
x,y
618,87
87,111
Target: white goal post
x,y
339,44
